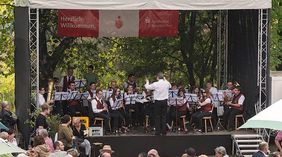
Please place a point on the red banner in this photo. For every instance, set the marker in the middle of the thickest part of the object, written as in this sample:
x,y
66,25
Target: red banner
x,y
78,23
158,23
145,23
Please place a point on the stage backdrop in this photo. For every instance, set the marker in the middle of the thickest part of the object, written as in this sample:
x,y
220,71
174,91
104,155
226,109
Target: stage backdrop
x,y
106,23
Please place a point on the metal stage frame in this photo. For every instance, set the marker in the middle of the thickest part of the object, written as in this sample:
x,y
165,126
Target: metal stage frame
x,y
222,54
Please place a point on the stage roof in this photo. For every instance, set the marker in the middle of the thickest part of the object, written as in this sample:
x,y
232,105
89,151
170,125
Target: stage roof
x,y
146,4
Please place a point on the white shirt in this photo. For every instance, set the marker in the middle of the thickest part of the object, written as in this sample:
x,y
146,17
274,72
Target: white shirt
x,y
161,88
94,105
115,105
40,100
241,100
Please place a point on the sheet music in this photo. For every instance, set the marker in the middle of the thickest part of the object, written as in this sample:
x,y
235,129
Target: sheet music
x,y
58,96
72,95
172,93
130,98
191,97
80,83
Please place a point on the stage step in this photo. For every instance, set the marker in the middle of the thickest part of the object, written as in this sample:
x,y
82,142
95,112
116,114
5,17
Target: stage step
x,y
246,144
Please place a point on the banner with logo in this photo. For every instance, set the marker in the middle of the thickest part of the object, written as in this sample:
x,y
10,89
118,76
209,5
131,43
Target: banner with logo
x,y
78,23
108,23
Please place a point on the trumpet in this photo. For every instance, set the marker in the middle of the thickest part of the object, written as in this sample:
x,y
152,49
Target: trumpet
x,y
50,92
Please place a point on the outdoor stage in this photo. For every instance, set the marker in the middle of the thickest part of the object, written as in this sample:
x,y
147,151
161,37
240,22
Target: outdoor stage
x,y
171,145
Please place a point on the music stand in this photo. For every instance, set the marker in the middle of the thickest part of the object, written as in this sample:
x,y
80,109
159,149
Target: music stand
x,y
80,83
60,96
219,97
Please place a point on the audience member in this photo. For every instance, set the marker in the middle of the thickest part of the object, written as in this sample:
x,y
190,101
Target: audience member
x,y
263,150
142,154
6,116
106,149
191,152
40,147
220,152
11,137
47,139
153,153
73,152
65,133
278,140
59,150
275,154
106,154
41,120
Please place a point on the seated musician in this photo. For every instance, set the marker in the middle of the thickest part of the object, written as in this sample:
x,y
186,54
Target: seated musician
x,y
73,105
129,99
79,132
100,109
92,90
180,108
233,108
206,108
117,110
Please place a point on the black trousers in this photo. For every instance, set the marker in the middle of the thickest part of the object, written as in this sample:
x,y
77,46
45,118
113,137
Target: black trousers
x,y
229,117
117,119
197,118
160,109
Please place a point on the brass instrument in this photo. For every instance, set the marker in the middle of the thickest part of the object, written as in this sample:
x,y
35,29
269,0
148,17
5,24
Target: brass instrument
x,y
50,92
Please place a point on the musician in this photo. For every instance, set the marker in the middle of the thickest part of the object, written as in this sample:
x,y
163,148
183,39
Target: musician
x,y
161,89
73,106
112,85
100,109
206,108
90,76
67,79
129,101
179,108
117,110
92,90
234,108
130,81
40,97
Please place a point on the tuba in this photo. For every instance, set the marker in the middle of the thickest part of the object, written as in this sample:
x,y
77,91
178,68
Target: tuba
x,y
50,92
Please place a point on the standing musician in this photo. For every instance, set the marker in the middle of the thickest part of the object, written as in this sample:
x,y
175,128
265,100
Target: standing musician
x,y
100,109
234,108
67,79
130,108
161,89
206,108
73,105
117,110
130,81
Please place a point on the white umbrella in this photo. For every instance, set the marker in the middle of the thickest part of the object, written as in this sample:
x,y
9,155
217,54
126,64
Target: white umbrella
x,y
270,118
7,147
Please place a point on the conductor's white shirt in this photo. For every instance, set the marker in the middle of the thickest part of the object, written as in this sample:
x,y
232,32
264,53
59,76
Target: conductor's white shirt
x,y
161,88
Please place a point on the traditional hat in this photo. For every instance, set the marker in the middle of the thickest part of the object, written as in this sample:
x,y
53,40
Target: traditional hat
x,y
106,148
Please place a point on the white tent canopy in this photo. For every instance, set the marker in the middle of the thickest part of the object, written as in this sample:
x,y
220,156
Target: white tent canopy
x,y
146,4
270,118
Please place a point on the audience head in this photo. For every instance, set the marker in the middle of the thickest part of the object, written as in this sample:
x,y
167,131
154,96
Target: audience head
x,y
142,154
106,154
190,152
263,146
5,105
73,152
66,119
4,135
275,154
107,149
220,151
45,108
11,134
38,140
153,153
43,133
76,122
58,145
203,155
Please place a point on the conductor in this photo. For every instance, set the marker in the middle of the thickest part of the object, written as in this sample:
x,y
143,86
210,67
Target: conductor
x,y
160,91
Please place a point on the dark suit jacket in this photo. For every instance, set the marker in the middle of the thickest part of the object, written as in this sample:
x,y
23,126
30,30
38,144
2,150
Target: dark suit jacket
x,y
258,154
